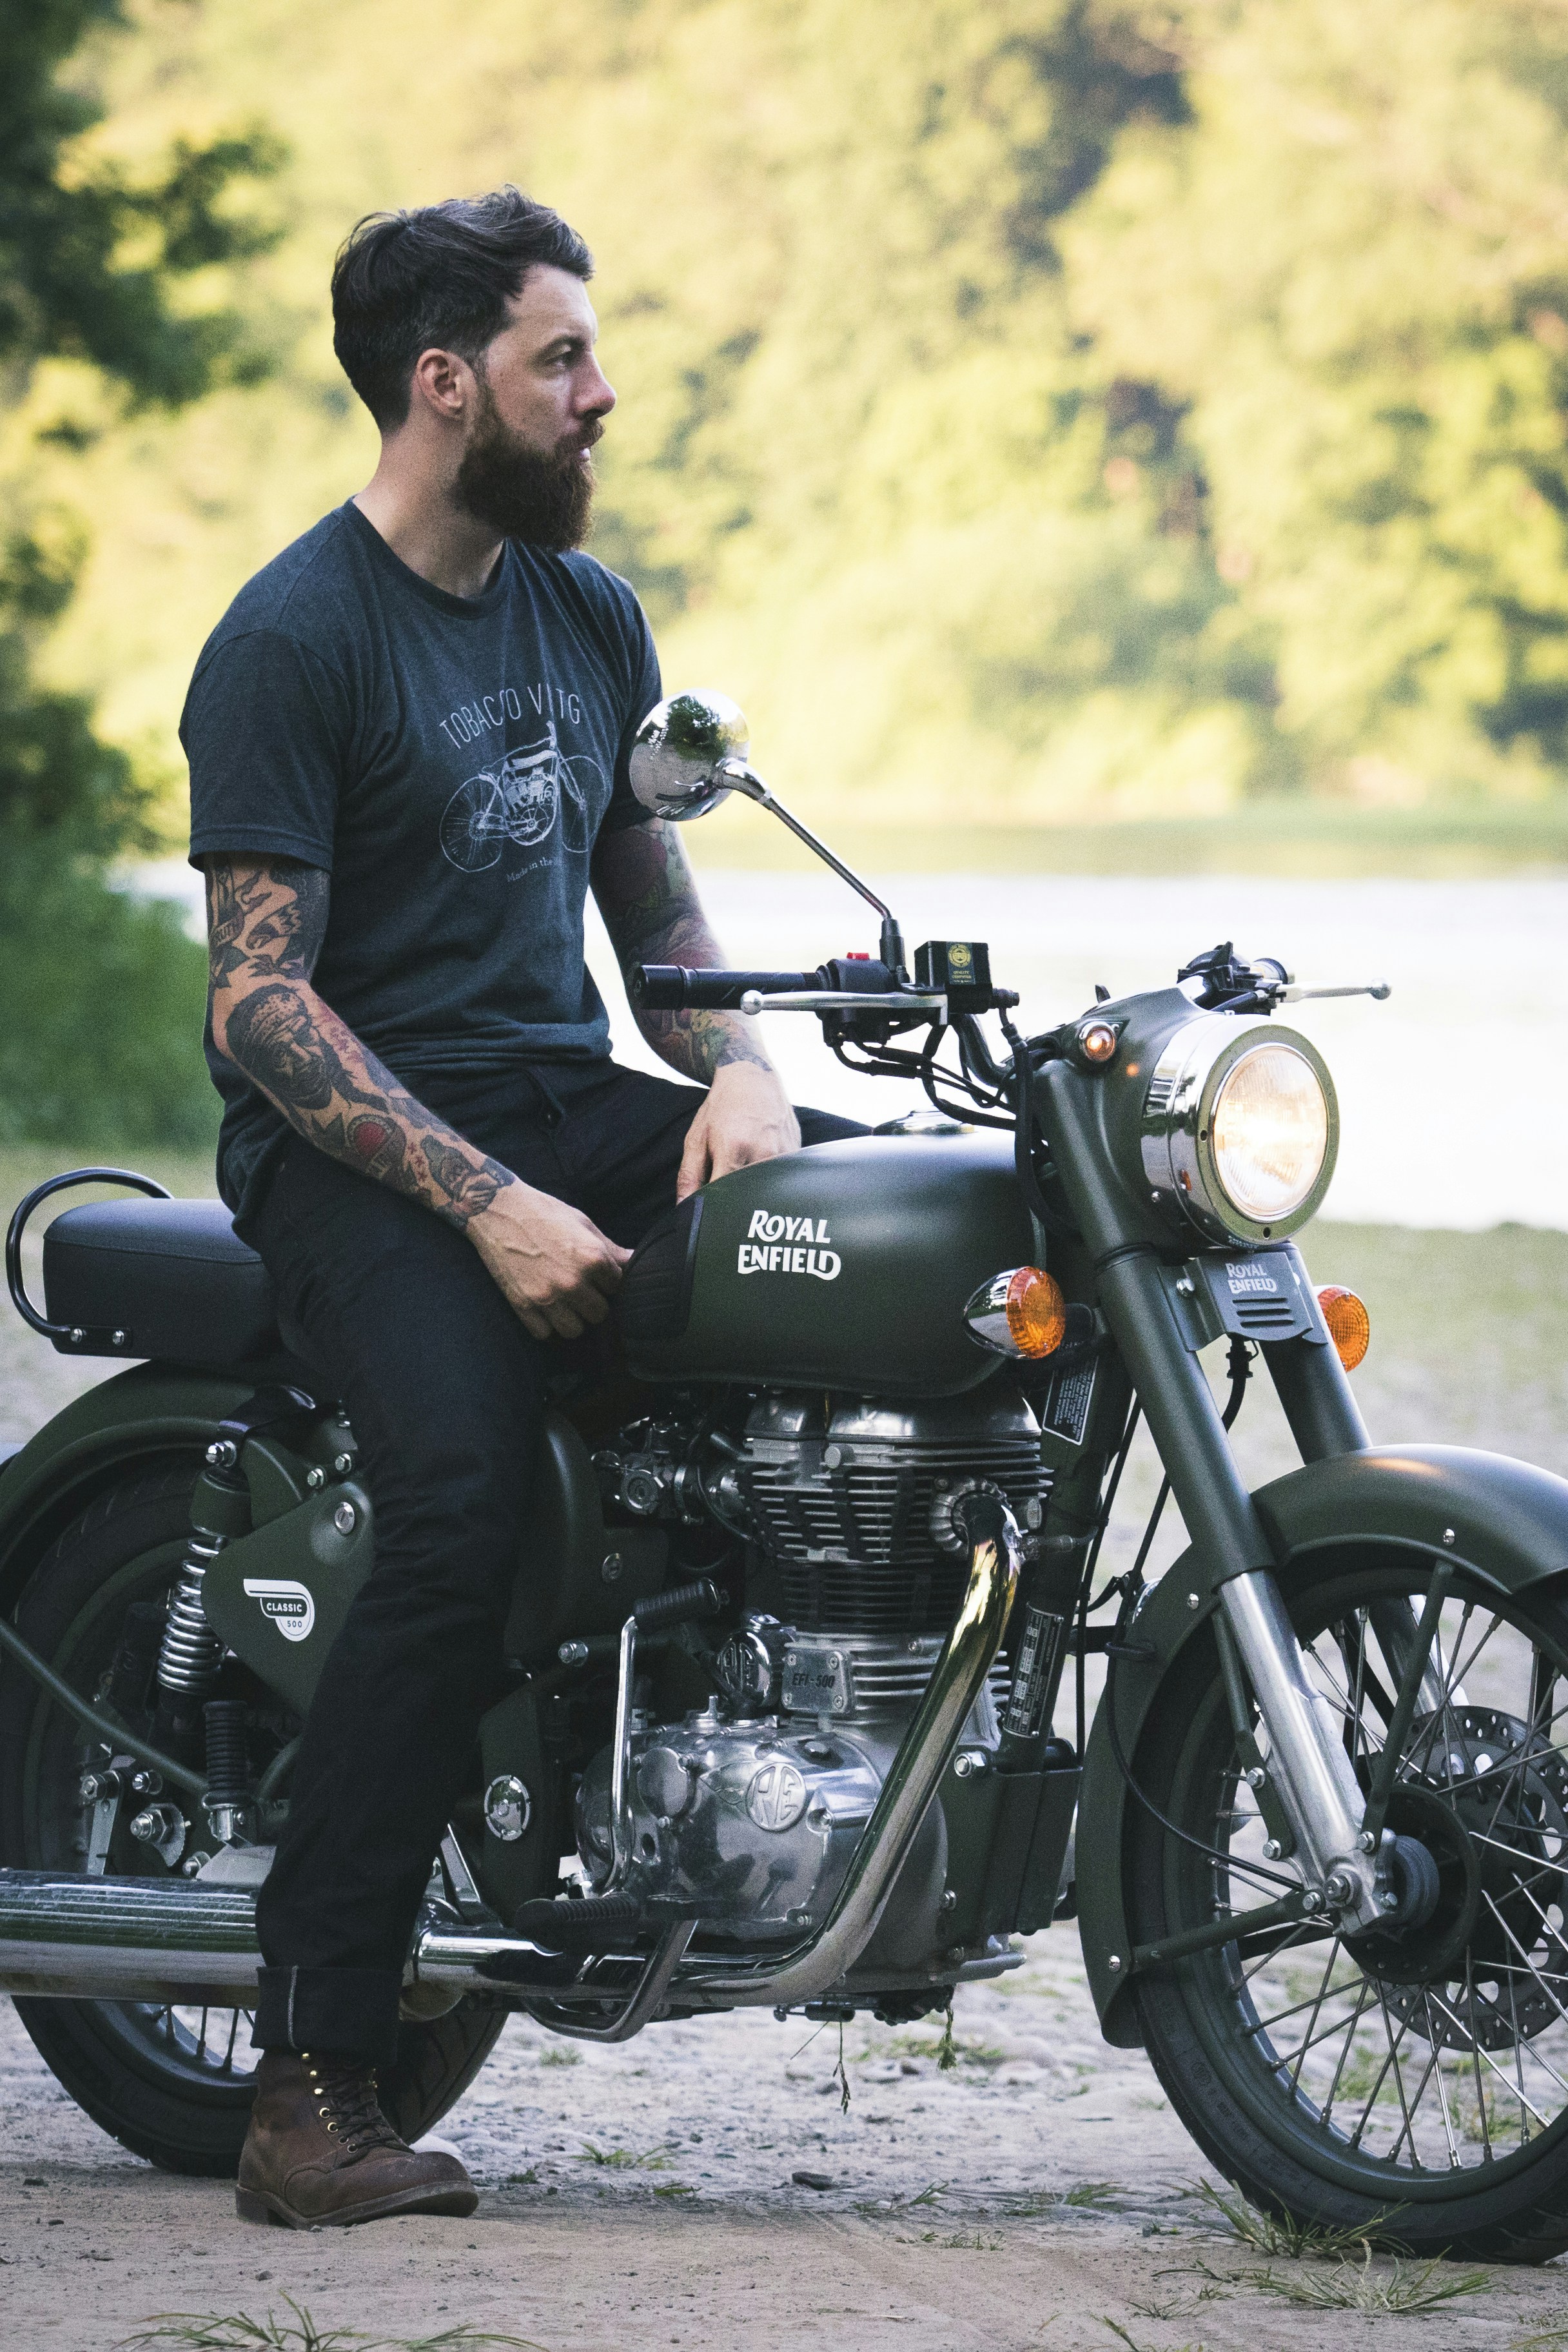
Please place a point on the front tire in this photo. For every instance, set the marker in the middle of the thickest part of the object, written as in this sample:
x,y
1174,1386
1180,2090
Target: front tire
x,y
173,2084
1414,2089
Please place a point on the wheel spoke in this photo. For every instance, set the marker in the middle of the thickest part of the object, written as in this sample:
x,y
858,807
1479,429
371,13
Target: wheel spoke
x,y
1361,2000
1444,2011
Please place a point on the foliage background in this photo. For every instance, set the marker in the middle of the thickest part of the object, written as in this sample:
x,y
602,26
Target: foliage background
x,y
1044,413
1022,405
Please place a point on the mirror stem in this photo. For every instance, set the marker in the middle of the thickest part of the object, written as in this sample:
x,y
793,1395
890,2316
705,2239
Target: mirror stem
x,y
745,779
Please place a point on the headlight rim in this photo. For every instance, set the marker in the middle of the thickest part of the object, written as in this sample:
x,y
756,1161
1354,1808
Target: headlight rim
x,y
1177,1129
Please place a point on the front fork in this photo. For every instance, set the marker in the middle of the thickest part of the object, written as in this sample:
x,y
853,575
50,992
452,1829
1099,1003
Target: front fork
x,y
1343,1866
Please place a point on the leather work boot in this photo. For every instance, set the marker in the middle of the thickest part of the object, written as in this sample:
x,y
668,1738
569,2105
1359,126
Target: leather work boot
x,y
320,2154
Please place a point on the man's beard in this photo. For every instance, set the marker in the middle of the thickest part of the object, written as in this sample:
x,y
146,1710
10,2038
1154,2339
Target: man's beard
x,y
521,491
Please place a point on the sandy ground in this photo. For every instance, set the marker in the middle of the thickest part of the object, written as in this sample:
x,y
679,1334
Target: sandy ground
x,y
1040,2194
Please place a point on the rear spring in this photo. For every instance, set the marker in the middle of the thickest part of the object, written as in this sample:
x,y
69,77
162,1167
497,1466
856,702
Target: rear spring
x,y
191,1655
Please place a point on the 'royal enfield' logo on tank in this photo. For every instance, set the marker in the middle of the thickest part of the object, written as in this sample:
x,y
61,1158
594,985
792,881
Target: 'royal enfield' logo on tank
x,y
788,1245
290,1606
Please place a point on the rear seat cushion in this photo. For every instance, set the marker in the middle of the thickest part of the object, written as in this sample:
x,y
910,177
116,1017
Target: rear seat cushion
x,y
173,1276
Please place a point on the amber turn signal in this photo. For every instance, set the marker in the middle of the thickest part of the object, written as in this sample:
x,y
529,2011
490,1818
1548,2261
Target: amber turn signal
x,y
1019,1313
1350,1324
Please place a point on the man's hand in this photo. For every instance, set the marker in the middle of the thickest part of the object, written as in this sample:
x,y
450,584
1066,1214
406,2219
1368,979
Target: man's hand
x,y
747,1117
553,1265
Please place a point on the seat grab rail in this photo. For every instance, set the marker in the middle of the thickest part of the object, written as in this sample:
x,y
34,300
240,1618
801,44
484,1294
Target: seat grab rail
x,y
15,1282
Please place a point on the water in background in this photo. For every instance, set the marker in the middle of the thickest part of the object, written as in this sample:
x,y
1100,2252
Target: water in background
x,y
1453,1105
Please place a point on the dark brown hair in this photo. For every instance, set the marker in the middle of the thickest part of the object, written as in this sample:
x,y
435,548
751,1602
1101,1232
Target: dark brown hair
x,y
441,276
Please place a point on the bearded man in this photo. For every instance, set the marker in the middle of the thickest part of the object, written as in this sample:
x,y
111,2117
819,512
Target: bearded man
x,y
408,742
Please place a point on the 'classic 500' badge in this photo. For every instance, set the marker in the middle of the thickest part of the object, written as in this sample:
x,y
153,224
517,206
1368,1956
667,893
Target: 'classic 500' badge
x,y
788,1245
290,1606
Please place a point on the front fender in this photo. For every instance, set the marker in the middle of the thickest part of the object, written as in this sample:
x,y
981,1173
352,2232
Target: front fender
x,y
1505,1521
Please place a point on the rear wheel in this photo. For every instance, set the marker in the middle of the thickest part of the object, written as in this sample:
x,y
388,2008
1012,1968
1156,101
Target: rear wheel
x,y
1416,2085
173,2084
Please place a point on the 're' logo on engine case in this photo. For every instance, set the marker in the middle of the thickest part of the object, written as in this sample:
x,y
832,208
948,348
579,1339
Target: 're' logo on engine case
x,y
290,1606
788,1245
776,1797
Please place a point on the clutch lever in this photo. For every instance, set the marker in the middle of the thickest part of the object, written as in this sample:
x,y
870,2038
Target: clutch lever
x,y
1378,990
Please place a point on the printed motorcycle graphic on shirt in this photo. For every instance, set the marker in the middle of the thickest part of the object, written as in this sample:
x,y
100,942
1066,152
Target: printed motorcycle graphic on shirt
x,y
518,802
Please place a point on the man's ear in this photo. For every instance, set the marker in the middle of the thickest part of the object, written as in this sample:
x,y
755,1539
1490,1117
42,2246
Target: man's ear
x,y
444,384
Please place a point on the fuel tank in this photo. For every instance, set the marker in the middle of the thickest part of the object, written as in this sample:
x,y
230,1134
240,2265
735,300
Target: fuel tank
x,y
845,1266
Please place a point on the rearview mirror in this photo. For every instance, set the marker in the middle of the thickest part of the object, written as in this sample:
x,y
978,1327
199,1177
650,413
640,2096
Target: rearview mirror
x,y
682,748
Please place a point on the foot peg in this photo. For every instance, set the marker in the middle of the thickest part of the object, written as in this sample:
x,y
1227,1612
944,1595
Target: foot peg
x,y
593,1925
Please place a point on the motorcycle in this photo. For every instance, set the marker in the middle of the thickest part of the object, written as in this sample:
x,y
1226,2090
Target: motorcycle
x,y
826,1539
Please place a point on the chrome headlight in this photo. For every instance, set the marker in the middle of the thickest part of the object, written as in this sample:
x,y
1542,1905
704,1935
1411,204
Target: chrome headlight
x,y
1240,1128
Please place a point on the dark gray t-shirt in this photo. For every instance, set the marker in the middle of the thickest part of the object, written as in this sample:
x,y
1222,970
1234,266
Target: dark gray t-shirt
x,y
450,762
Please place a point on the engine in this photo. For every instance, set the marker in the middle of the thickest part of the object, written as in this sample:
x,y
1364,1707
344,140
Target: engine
x,y
750,1809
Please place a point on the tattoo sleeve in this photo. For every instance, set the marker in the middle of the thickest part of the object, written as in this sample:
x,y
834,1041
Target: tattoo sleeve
x,y
653,914
266,921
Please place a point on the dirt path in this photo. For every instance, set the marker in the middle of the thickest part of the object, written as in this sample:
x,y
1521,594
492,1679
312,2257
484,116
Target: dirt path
x,y
1036,2193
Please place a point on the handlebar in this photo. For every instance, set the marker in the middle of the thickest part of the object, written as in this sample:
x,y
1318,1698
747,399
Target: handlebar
x,y
671,988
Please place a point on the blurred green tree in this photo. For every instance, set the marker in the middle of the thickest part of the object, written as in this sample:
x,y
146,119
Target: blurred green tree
x,y
100,995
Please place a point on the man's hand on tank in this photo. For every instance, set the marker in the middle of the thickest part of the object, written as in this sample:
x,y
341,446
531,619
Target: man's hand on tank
x,y
553,1266
747,1117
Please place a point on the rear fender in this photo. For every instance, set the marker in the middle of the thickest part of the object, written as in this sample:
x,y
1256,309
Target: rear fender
x,y
1503,1520
110,1433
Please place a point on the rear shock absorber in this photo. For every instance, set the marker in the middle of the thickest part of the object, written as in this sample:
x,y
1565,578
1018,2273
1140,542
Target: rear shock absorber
x,y
191,1653
229,1790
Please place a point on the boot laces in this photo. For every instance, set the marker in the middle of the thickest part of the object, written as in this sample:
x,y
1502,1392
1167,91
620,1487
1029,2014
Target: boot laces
x,y
346,2102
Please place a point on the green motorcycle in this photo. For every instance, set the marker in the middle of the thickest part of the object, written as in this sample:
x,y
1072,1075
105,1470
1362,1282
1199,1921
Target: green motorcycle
x,y
808,1726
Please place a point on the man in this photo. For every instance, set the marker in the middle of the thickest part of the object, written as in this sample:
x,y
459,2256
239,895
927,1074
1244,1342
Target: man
x,y
408,740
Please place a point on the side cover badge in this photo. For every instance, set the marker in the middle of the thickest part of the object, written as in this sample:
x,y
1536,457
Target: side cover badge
x,y
290,1606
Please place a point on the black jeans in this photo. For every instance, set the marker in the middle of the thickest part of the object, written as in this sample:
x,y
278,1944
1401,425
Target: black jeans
x,y
445,1391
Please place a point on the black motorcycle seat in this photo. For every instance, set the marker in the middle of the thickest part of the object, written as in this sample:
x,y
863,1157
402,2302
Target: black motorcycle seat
x,y
170,1279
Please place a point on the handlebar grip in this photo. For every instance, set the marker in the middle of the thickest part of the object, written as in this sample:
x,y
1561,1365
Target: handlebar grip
x,y
671,988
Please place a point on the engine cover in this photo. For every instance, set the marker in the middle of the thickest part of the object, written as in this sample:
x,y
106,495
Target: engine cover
x,y
752,1824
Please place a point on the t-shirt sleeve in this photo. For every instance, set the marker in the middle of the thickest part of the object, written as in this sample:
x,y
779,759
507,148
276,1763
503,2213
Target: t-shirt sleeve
x,y
645,688
266,730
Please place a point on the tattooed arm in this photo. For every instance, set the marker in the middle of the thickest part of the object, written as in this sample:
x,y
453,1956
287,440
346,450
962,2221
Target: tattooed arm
x,y
651,911
266,917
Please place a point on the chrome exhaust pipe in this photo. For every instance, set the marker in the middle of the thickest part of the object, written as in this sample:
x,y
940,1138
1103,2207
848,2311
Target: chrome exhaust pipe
x,y
78,1938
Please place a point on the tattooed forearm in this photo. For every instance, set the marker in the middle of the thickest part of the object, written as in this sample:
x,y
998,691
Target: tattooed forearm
x,y
265,923
651,911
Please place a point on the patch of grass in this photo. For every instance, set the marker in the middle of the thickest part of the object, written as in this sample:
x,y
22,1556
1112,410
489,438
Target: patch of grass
x,y
931,2194
237,2331
551,2056
1284,2238
674,2188
1132,2341
956,2242
627,2160
1083,2195
1404,2287
949,2049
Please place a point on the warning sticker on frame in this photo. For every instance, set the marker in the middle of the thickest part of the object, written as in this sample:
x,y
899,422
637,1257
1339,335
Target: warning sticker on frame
x,y
1033,1674
1064,1409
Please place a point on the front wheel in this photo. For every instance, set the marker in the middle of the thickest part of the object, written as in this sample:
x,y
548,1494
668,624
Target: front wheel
x,y
1416,2087
170,2082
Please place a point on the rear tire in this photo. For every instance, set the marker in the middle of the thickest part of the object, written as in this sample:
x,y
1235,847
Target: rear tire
x,y
152,2078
